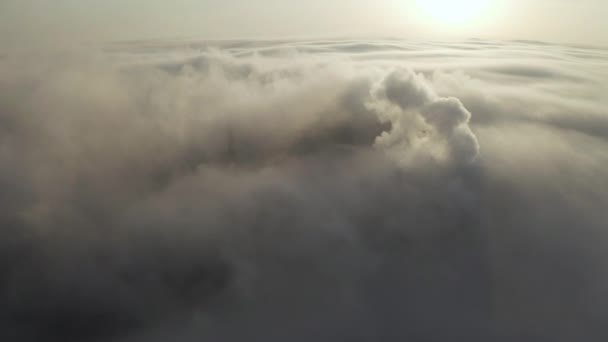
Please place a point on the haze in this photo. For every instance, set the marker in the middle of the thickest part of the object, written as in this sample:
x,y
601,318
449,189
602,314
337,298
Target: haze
x,y
92,20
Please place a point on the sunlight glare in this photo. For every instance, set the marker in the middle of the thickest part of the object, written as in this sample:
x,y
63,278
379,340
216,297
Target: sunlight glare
x,y
454,11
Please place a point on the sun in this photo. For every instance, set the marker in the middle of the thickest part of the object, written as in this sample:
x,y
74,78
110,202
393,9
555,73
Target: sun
x,y
454,12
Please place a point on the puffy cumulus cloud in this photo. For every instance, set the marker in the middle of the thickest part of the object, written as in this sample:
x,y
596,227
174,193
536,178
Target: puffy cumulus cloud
x,y
237,191
446,117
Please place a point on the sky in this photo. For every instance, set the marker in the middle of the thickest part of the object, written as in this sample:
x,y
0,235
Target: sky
x,y
579,22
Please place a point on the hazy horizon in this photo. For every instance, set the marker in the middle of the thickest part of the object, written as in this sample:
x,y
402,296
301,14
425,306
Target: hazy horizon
x,y
580,22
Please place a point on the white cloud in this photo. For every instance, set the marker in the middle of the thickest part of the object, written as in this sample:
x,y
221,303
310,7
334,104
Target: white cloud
x,y
302,191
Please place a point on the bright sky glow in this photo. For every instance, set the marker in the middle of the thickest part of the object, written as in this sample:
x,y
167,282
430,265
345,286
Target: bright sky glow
x,y
451,12
29,21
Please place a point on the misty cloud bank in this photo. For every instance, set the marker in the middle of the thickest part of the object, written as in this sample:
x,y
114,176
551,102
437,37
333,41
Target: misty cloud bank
x,y
304,191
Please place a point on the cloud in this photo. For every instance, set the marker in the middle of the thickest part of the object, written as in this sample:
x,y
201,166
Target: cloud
x,y
266,191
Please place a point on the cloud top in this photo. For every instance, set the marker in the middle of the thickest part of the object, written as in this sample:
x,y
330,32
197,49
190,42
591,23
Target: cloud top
x,y
311,190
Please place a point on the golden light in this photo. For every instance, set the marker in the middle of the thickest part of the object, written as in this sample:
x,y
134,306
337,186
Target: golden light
x,y
454,12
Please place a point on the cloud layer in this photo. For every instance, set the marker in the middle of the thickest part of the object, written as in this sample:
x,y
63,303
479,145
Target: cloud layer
x,y
320,190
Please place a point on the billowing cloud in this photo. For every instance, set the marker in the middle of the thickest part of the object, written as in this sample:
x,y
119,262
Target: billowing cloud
x,y
350,191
